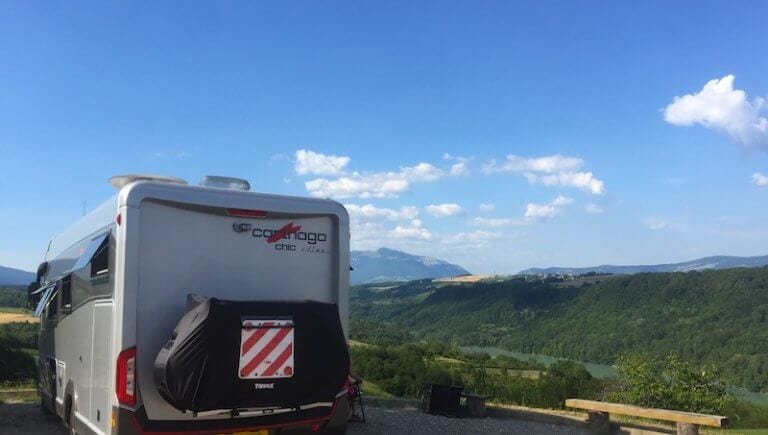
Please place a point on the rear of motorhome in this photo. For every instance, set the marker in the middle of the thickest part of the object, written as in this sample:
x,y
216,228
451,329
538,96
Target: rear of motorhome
x,y
174,308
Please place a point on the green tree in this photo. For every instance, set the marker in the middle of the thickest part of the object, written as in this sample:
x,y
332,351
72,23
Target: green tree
x,y
670,384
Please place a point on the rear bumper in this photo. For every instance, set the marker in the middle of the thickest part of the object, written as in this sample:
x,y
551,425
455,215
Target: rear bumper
x,y
302,421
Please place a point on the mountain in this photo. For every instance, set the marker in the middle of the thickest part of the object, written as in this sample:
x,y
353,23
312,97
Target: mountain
x,y
390,265
11,276
716,262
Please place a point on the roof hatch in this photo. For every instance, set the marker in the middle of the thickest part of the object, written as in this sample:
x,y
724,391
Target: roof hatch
x,y
120,181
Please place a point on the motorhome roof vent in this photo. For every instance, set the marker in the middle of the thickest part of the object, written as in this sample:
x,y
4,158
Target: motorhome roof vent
x,y
119,181
225,182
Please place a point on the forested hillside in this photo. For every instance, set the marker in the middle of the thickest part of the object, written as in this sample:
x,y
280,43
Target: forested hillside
x,y
717,316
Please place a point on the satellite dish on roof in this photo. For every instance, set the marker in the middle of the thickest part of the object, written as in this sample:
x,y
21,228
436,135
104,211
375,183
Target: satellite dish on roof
x,y
120,181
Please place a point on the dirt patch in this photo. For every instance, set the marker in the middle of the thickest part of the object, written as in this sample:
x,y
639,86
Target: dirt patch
x,y
17,317
464,278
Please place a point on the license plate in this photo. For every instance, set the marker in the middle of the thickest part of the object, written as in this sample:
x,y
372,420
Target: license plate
x,y
249,432
266,349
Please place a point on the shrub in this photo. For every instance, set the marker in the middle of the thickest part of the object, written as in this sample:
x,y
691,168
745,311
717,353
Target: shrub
x,y
669,384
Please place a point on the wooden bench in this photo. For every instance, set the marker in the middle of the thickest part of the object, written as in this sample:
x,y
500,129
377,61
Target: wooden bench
x,y
687,422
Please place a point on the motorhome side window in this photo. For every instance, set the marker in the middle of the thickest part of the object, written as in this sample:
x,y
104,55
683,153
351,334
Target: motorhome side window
x,y
90,276
100,260
53,306
65,293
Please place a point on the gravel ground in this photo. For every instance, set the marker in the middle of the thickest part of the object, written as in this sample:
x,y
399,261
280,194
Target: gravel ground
x,y
399,421
28,419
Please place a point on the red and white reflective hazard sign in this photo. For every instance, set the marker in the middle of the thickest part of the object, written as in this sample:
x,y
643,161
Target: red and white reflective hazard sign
x,y
266,349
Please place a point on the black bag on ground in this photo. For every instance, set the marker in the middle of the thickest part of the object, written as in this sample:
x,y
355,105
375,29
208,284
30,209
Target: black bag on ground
x,y
197,370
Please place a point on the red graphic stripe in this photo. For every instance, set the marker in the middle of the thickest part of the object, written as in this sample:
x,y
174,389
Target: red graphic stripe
x,y
279,361
256,336
284,231
264,352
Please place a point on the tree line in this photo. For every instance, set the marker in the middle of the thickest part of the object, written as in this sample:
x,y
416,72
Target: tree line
x,y
405,369
715,317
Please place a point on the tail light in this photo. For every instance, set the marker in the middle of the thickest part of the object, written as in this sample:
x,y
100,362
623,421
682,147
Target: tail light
x,y
240,212
125,380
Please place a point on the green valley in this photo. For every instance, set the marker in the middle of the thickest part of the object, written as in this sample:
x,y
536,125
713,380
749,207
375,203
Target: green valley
x,y
717,317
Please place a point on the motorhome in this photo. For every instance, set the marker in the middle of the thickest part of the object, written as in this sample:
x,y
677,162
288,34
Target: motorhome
x,y
202,309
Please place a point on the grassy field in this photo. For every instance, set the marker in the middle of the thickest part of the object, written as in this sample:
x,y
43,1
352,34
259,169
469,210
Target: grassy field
x,y
523,373
373,390
6,317
17,310
16,314
355,343
463,278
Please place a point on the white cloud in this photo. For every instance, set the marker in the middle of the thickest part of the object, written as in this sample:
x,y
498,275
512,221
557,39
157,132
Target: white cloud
x,y
422,172
722,108
369,211
362,184
487,207
310,162
496,222
581,180
414,231
461,167
554,170
444,210
366,234
546,164
380,185
533,212
374,185
760,179
561,201
593,209
475,237
537,212
657,224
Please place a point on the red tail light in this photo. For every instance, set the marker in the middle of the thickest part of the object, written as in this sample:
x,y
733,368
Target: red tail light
x,y
239,212
125,380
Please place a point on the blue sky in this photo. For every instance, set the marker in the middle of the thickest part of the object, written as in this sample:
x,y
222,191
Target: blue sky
x,y
540,134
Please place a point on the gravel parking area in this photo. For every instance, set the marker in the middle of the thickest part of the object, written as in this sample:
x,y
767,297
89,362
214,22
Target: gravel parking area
x,y
399,421
27,419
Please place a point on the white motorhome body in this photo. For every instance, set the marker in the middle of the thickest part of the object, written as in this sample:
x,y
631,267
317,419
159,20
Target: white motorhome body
x,y
116,284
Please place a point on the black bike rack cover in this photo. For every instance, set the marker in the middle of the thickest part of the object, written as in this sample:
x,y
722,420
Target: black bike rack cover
x,y
197,369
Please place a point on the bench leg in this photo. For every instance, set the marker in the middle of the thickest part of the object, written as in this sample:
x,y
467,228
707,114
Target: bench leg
x,y
687,429
599,422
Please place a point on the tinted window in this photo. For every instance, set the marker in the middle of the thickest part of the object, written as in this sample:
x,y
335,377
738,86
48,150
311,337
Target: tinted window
x,y
93,278
44,300
90,251
65,292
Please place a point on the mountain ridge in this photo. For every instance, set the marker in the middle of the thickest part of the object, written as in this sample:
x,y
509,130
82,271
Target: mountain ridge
x,y
15,277
386,264
704,263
